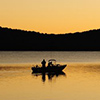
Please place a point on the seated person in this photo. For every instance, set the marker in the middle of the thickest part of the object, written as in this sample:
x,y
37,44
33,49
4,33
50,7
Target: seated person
x,y
49,64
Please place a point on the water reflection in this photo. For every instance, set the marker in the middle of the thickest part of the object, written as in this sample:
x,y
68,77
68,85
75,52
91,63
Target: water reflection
x,y
49,74
15,68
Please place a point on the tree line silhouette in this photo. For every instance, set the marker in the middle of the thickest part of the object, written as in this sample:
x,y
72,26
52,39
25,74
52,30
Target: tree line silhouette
x,y
20,40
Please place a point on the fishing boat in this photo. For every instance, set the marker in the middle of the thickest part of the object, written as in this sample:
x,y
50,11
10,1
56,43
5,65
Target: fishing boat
x,y
51,67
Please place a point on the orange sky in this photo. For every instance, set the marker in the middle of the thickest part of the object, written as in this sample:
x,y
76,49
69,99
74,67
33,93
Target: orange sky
x,y
50,16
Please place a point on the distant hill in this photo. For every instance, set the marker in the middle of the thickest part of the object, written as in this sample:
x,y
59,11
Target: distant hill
x,y
19,40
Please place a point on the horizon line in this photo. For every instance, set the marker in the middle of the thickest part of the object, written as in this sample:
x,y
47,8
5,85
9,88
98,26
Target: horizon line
x,y
49,33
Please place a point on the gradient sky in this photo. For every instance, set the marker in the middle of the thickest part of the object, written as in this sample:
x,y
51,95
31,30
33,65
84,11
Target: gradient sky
x,y
50,16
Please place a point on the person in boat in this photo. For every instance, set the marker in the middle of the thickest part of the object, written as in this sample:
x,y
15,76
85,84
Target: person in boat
x,y
37,66
43,63
50,64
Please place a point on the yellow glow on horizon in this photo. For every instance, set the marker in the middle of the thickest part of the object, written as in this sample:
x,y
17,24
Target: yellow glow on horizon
x,y
50,16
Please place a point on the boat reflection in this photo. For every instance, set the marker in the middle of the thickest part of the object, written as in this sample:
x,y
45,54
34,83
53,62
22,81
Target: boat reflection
x,y
49,74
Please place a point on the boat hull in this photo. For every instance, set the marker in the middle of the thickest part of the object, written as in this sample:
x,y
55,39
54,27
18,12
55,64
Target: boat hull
x,y
48,69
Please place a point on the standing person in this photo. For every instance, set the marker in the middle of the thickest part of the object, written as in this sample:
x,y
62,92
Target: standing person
x,y
43,63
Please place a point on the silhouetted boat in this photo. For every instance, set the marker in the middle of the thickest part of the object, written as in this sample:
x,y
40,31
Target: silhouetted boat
x,y
50,68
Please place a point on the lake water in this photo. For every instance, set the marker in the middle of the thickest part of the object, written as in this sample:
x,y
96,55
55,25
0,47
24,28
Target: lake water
x,y
80,80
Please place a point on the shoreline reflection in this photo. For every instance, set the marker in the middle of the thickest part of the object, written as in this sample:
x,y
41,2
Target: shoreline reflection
x,y
49,74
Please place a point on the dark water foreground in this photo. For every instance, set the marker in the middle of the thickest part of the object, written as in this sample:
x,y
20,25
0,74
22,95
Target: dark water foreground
x,y
77,82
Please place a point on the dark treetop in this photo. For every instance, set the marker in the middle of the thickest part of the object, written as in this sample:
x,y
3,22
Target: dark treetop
x,y
13,39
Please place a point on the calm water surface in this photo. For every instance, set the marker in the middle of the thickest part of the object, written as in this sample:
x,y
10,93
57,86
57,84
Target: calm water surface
x,y
80,80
